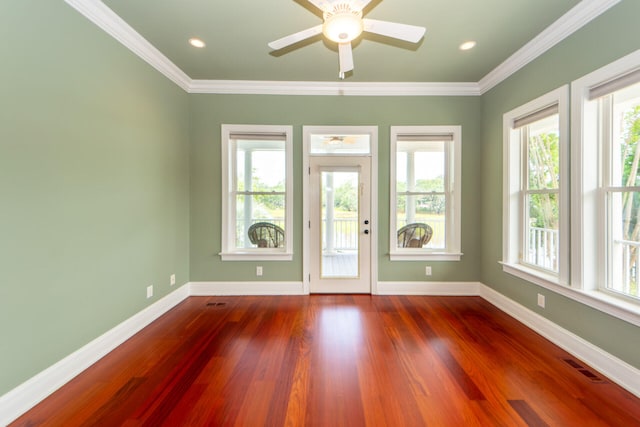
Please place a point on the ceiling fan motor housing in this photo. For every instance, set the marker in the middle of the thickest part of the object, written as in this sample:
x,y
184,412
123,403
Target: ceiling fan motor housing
x,y
342,24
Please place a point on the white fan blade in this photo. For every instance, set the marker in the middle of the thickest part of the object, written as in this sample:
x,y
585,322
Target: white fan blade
x,y
323,5
346,57
295,38
410,33
360,4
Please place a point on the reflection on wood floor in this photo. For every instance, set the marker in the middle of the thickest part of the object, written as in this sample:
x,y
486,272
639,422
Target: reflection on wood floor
x,y
337,360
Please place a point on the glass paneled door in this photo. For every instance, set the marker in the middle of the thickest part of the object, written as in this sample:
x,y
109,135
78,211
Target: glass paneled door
x,y
340,226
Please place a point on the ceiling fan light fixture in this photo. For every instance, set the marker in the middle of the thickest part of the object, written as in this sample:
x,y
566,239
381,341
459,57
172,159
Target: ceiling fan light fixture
x,y
343,23
342,27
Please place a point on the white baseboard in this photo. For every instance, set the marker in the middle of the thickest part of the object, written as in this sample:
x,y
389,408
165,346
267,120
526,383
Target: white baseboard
x,y
22,398
429,288
616,369
246,288
25,396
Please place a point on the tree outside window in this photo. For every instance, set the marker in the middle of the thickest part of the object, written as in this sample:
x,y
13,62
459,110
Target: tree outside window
x,y
621,142
542,185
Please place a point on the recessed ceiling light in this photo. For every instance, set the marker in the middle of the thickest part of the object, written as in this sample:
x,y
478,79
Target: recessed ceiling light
x,y
196,42
467,45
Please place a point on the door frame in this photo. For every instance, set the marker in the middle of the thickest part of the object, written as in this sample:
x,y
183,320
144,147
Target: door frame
x,y
375,227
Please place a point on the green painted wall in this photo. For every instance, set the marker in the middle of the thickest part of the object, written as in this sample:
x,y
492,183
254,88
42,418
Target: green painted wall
x,y
208,112
110,180
94,185
609,37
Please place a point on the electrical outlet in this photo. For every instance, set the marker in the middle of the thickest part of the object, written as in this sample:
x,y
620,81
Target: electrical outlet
x,y
258,270
427,270
541,300
149,291
172,280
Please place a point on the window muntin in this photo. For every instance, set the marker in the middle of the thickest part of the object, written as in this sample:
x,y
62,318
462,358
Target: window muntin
x,y
257,187
619,137
535,214
424,164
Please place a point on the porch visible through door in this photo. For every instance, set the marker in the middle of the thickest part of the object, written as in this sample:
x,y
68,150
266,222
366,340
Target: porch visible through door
x,y
340,227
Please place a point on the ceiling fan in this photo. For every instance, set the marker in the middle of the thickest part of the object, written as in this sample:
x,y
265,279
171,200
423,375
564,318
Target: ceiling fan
x,y
343,23
339,140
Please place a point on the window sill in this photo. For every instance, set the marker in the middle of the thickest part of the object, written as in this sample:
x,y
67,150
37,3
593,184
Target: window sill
x,y
424,256
614,306
256,256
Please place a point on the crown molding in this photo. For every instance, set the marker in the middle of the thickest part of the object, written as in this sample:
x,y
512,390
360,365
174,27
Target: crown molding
x,y
580,15
98,13
256,87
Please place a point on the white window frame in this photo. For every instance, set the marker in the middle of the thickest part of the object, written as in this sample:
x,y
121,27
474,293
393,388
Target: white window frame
x,y
513,215
588,216
229,251
453,190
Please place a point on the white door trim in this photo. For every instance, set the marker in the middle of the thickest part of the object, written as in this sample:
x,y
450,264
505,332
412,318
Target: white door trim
x,y
375,226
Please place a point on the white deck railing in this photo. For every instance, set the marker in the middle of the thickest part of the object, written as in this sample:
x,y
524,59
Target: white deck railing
x,y
345,235
543,248
626,281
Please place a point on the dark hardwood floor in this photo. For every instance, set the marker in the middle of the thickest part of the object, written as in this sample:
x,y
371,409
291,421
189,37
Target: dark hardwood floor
x,y
337,360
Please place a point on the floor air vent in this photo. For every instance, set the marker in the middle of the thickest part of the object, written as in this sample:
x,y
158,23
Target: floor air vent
x,y
216,304
574,364
584,371
592,377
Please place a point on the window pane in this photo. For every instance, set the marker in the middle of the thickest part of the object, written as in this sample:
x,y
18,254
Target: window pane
x,y
251,209
428,209
420,166
339,226
623,207
626,133
340,144
624,242
543,154
261,166
542,248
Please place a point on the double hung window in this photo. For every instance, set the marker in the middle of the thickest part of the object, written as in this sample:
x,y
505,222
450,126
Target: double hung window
x,y
535,190
607,141
619,113
425,193
257,192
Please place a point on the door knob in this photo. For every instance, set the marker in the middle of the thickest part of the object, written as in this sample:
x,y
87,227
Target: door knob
x,y
366,221
366,231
